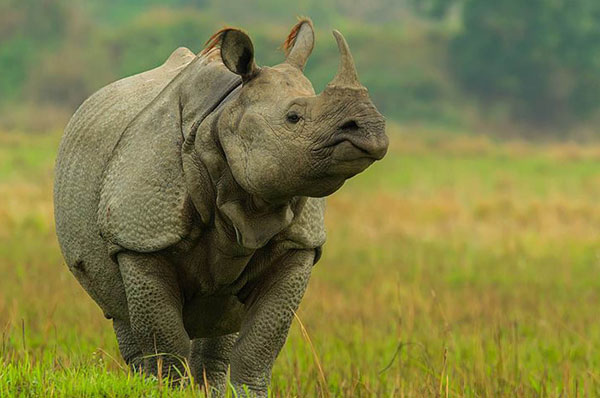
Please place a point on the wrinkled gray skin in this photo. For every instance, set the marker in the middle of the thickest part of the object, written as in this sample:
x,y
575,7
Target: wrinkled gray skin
x,y
188,201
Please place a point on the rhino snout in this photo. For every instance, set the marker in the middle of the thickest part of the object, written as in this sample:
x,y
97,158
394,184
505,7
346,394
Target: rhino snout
x,y
359,139
368,137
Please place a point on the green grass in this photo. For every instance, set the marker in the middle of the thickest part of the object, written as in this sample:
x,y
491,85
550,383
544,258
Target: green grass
x,y
456,267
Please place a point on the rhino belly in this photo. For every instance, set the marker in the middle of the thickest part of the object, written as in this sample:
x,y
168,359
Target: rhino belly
x,y
212,316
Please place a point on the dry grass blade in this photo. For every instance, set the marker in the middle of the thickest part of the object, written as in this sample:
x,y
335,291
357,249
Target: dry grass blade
x,y
116,361
443,371
322,380
205,380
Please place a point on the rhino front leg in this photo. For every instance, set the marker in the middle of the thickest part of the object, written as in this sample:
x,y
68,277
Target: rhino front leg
x,y
210,358
265,328
154,303
127,343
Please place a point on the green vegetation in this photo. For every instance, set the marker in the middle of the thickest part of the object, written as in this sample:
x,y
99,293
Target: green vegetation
x,y
466,268
95,42
449,63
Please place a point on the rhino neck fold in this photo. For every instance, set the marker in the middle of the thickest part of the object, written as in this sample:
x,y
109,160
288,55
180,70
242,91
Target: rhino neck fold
x,y
203,86
221,202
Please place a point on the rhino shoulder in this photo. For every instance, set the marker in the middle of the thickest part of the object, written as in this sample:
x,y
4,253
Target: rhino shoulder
x,y
144,205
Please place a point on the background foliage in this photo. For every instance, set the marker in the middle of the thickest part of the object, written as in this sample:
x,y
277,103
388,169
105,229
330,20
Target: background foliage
x,y
454,63
542,57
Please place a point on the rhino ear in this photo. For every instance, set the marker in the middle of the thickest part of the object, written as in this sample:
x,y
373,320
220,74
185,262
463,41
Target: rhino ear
x,y
237,52
299,43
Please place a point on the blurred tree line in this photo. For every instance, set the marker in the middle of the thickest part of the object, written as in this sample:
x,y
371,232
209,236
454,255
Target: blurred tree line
x,y
445,62
541,57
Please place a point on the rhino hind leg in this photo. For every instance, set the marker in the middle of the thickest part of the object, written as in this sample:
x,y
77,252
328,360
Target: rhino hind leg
x,y
210,362
154,303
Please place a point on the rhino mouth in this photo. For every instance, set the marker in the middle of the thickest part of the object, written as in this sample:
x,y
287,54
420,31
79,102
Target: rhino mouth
x,y
350,147
348,150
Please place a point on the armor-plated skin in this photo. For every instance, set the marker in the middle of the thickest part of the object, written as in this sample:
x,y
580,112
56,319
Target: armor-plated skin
x,y
189,201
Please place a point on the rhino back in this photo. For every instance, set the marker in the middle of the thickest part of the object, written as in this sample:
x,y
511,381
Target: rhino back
x,y
85,149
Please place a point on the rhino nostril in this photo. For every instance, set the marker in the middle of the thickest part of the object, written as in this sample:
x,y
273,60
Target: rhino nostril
x,y
349,126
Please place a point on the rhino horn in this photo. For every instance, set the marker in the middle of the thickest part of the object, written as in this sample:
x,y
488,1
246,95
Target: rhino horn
x,y
346,76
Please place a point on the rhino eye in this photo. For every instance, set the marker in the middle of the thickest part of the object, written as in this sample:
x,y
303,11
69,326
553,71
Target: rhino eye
x,y
293,117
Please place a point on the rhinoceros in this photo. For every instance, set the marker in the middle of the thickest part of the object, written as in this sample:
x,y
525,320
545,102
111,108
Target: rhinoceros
x,y
189,201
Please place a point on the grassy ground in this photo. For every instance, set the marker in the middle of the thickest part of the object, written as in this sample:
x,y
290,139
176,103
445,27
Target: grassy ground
x,y
456,267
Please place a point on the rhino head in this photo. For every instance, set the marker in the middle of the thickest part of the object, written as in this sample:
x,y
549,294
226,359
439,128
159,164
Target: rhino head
x,y
280,138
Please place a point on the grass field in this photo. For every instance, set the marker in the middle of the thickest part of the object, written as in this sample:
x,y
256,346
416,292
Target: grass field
x,y
456,267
